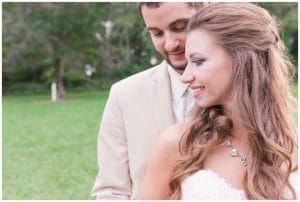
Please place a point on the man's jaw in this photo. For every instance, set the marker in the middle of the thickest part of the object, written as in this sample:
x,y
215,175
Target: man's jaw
x,y
177,67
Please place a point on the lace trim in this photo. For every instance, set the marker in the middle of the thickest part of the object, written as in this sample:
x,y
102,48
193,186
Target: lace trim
x,y
206,184
224,180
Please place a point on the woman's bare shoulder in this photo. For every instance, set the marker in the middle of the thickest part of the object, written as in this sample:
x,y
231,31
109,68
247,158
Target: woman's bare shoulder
x,y
162,161
166,150
170,138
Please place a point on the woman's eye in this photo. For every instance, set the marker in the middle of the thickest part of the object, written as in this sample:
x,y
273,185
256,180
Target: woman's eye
x,y
199,61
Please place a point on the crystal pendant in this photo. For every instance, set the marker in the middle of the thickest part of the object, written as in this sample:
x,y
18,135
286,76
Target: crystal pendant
x,y
228,144
234,152
244,160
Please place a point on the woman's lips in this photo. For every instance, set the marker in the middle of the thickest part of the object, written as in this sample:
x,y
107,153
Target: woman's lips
x,y
197,90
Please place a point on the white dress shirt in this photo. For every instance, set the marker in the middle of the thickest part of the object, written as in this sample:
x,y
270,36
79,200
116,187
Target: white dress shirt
x,y
182,100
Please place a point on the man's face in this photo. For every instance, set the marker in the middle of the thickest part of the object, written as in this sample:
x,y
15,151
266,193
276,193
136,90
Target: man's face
x,y
166,25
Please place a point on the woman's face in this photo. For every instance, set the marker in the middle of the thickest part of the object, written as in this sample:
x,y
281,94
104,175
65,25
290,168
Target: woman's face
x,y
209,69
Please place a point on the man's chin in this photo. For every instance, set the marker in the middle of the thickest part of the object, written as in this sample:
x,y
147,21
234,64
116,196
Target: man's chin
x,y
177,66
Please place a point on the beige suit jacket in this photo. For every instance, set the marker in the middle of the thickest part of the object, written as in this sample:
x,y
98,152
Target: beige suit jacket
x,y
138,109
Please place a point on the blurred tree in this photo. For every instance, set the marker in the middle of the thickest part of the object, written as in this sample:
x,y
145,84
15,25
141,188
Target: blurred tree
x,y
43,41
46,42
43,35
124,43
66,30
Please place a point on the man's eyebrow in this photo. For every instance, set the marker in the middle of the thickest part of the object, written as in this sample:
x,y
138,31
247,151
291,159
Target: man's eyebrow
x,y
152,28
183,20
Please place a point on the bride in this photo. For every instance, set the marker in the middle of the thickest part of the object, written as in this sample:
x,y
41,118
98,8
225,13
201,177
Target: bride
x,y
242,143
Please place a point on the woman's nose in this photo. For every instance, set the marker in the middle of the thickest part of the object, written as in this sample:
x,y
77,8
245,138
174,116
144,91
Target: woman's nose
x,y
187,77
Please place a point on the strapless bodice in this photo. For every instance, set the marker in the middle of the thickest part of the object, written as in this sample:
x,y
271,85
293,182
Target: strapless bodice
x,y
206,184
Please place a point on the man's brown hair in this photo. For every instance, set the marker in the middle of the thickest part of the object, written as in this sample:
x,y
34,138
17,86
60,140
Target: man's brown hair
x,y
195,5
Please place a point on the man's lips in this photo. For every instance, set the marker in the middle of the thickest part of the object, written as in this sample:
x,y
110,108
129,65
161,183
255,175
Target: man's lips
x,y
176,53
196,90
176,56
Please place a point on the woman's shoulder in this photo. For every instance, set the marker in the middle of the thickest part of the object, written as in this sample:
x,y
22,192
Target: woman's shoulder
x,y
166,149
175,131
177,128
171,136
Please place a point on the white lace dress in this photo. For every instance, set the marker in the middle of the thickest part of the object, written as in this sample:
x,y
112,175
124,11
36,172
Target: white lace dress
x,y
206,184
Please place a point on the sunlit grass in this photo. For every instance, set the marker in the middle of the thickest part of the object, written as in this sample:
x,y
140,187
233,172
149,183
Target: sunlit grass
x,y
49,149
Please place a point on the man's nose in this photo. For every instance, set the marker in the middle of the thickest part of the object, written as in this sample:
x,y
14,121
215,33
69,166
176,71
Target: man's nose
x,y
187,76
172,42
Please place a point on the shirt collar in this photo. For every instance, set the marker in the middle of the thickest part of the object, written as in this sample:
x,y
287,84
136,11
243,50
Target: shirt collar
x,y
177,87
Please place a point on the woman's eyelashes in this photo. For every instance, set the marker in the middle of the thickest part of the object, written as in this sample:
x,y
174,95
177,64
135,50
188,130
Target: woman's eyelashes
x,y
198,61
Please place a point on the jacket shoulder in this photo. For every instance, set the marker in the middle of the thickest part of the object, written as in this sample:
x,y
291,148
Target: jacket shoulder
x,y
138,79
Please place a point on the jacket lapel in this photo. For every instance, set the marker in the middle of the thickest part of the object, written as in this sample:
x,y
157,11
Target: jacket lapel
x,y
160,95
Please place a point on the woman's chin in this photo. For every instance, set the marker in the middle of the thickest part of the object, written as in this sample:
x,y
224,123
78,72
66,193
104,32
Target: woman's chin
x,y
203,104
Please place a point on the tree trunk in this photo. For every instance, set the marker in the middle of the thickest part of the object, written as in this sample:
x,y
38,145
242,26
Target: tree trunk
x,y
58,79
58,72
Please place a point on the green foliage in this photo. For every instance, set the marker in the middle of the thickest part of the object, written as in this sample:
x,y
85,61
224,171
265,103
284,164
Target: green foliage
x,y
37,35
287,16
27,88
49,150
294,90
75,79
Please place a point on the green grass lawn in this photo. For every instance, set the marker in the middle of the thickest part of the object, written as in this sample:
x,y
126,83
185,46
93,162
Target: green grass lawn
x,y
49,149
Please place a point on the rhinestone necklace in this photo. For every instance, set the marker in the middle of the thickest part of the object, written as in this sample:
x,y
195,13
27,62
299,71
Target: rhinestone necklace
x,y
235,153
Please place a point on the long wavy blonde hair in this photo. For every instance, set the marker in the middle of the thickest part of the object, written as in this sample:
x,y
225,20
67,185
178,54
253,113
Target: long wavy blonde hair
x,y
261,96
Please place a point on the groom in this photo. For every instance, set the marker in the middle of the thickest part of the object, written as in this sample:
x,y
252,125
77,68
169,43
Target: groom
x,y
141,106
